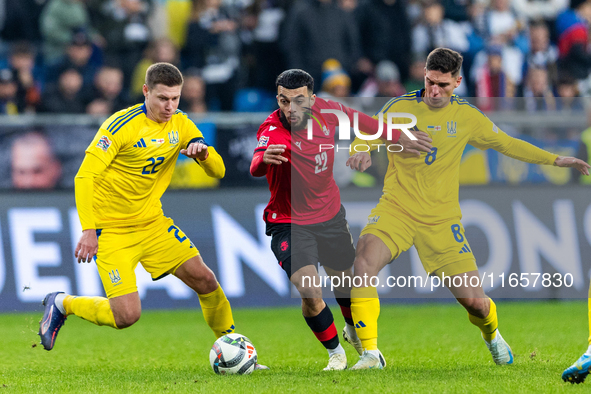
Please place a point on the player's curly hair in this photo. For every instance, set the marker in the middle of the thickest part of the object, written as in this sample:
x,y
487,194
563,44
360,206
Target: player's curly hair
x,y
294,79
444,60
164,73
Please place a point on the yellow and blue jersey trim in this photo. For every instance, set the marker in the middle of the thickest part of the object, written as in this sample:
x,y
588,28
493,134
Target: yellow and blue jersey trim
x,y
414,95
122,120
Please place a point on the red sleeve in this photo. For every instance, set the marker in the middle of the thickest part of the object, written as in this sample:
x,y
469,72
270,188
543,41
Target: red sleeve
x,y
257,167
366,122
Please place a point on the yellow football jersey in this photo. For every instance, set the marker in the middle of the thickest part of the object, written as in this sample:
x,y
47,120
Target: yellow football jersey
x,y
140,155
427,187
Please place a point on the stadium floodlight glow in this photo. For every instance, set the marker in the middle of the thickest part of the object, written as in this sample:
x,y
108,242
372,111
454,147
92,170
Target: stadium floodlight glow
x,y
345,125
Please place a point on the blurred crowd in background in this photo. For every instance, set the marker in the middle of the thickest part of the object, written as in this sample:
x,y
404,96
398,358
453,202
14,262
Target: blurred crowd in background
x,y
90,56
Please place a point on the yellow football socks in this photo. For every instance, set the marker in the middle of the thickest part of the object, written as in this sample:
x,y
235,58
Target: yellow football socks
x,y
589,307
217,312
365,309
96,310
488,325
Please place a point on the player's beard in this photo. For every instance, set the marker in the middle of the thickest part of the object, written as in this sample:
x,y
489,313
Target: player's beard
x,y
294,126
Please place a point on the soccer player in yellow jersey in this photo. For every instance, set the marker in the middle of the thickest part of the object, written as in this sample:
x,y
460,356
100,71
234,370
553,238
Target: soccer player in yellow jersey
x,y
127,168
420,204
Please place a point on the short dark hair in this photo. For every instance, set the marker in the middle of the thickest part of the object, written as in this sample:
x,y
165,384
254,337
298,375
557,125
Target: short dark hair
x,y
165,73
444,60
294,79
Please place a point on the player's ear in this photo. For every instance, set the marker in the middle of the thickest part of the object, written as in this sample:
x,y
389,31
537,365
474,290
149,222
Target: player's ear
x,y
312,100
145,90
458,81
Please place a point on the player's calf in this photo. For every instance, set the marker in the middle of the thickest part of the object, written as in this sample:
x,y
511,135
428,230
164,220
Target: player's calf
x,y
126,309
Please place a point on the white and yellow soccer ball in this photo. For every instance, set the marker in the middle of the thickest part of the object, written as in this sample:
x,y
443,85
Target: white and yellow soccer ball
x,y
233,354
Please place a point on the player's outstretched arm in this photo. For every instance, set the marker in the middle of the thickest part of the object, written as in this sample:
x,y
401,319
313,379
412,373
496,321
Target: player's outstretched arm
x,y
360,161
420,143
573,162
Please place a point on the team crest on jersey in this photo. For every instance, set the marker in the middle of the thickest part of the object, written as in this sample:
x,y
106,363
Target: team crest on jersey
x,y
158,140
325,130
173,137
373,219
263,141
103,143
115,277
452,128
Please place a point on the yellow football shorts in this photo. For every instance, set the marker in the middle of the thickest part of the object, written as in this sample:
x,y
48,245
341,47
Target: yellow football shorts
x,y
160,246
443,248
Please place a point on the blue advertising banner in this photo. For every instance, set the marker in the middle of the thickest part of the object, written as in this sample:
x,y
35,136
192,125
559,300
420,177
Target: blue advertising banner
x,y
529,242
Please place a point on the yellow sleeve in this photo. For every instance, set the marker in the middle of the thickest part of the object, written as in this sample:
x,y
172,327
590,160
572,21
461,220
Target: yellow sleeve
x,y
91,167
487,135
214,164
105,145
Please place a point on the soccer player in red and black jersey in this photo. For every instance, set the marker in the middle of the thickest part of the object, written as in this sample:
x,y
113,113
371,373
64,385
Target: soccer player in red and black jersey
x,y
305,217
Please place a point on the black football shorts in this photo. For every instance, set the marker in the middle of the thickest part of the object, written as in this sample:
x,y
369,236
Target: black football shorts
x,y
329,243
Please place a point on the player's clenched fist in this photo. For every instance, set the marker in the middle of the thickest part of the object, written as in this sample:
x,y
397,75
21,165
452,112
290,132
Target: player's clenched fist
x,y
196,150
273,154
360,161
87,246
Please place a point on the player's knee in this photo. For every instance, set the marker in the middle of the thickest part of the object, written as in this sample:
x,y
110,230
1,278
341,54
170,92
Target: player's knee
x,y
208,278
203,282
476,306
309,292
312,306
127,318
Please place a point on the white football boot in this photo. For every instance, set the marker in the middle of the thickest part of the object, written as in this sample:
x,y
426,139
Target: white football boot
x,y
369,361
355,343
500,351
337,362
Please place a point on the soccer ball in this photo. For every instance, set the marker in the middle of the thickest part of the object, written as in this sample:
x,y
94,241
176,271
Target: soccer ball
x,y
233,354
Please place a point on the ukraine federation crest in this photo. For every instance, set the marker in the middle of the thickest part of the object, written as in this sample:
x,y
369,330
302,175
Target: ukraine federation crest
x,y
115,277
173,137
452,128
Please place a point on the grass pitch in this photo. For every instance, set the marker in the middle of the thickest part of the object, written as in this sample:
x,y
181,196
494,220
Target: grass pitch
x,y
428,348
